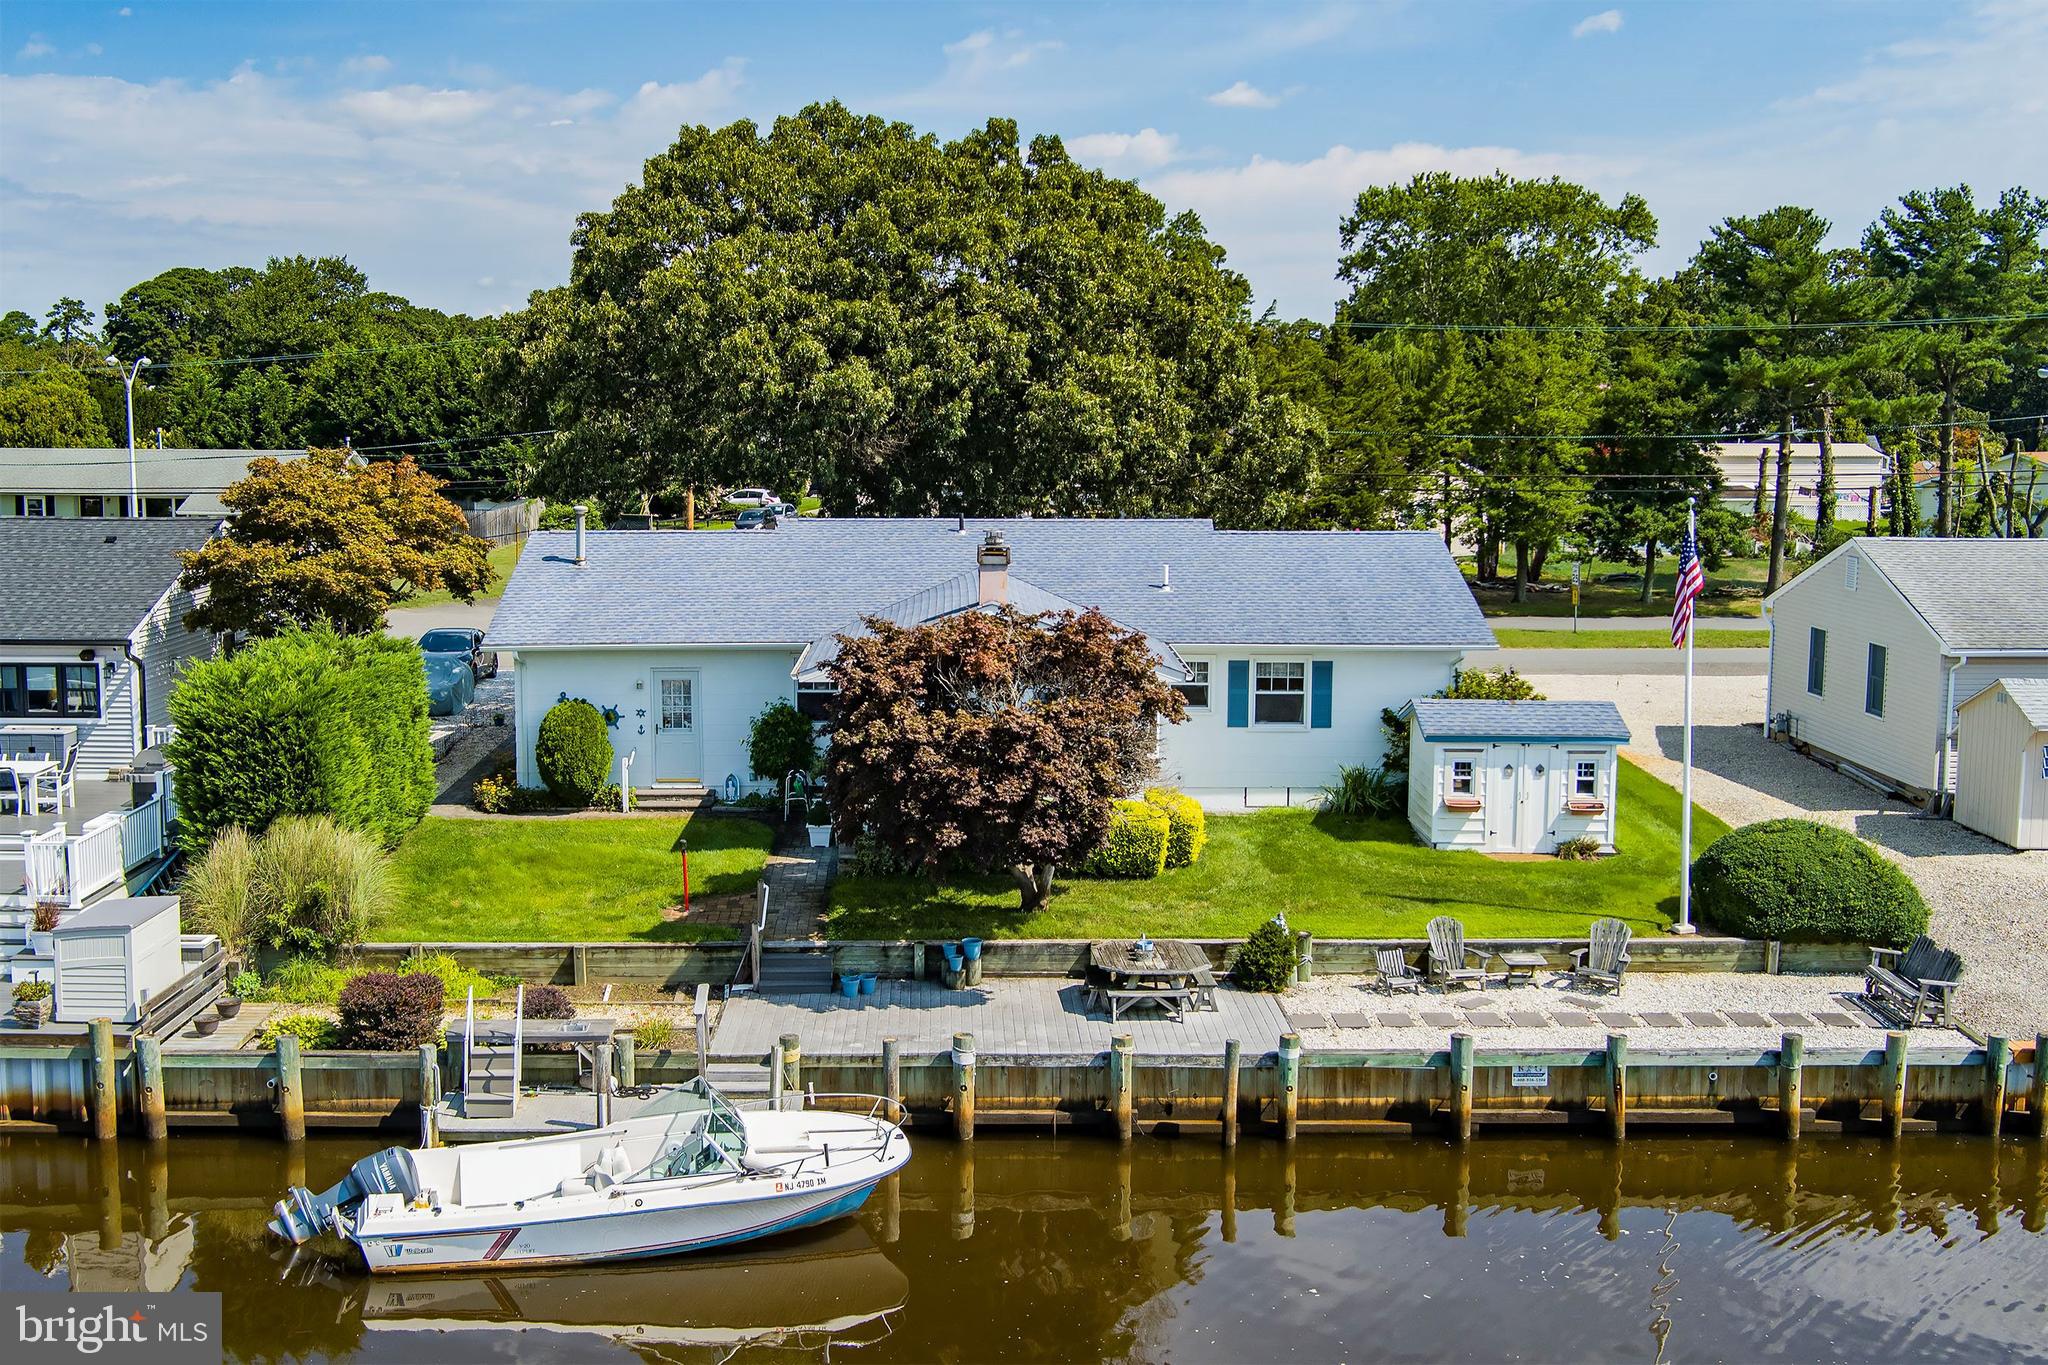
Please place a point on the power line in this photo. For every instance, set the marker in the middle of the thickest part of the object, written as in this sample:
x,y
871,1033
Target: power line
x,y
1864,324
1717,437
229,362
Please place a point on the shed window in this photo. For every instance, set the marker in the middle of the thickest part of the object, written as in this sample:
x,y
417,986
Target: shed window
x,y
1464,777
1280,694
1816,659
1873,682
1195,691
1586,777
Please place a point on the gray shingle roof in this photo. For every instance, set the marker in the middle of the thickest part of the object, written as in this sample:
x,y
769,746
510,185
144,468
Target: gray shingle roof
x,y
1442,719
1976,594
105,470
2029,694
88,579
813,576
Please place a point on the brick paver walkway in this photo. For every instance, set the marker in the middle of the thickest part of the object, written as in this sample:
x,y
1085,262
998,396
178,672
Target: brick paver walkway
x,y
798,877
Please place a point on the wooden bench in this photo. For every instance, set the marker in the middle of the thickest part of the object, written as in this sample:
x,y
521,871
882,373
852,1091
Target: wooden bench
x,y
1912,987
1175,1001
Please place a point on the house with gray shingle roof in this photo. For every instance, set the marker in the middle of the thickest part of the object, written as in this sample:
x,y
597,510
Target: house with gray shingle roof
x,y
1513,776
92,629
95,481
1286,644
1876,646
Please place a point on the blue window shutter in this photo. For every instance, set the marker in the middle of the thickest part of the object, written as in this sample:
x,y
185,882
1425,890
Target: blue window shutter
x,y
1240,693
1319,695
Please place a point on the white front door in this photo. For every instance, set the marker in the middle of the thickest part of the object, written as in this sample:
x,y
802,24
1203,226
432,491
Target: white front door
x,y
678,745
1532,800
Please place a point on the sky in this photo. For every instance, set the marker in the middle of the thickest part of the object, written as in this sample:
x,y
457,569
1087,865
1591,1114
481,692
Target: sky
x,y
446,148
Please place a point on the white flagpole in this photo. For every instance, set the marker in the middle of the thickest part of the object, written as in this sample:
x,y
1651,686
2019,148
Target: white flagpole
x,y
1684,925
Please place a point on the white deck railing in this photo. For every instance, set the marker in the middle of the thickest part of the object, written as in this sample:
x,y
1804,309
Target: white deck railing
x,y
70,869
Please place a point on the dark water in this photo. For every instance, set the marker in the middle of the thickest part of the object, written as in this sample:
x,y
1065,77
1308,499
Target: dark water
x,y
1932,1249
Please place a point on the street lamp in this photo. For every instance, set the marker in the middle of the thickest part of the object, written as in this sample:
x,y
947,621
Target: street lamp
x,y
128,378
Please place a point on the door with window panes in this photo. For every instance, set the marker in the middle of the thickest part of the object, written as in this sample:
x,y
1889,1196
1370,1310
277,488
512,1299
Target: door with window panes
x,y
678,745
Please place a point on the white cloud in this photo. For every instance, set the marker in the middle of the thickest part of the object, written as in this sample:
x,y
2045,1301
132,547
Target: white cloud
x,y
1243,95
35,47
1144,150
124,12
400,108
369,64
979,54
984,71
1606,21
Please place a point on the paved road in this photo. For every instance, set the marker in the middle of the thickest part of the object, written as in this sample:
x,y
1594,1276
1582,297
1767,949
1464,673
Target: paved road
x,y
1707,663
1706,623
414,622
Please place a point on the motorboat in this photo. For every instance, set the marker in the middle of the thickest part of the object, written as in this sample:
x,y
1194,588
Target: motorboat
x,y
688,1171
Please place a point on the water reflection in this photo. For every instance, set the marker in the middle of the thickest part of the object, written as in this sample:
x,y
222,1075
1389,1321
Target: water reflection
x,y
1930,1248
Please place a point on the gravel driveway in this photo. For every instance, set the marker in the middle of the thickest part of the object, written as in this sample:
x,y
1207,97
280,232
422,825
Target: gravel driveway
x,y
1988,902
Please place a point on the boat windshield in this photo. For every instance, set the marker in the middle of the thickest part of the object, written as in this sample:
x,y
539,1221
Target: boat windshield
x,y
697,1108
691,1097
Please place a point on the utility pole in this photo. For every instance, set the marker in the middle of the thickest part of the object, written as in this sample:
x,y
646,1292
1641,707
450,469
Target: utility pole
x,y
128,380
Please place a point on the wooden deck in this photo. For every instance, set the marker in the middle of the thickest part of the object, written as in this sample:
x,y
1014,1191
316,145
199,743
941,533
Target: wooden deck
x,y
1014,1014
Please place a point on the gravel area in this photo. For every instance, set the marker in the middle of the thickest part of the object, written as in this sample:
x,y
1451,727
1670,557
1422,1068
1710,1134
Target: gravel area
x,y
1657,1005
1989,902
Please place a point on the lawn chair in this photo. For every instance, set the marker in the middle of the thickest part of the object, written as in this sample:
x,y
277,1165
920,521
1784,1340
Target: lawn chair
x,y
1395,973
11,797
1450,961
1599,965
61,781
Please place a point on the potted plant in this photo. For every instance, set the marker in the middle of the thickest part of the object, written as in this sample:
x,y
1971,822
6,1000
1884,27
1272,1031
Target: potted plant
x,y
228,1006
32,1003
42,938
818,823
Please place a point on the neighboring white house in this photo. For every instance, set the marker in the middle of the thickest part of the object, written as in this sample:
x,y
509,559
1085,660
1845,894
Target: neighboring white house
x,y
1875,646
2002,762
1513,776
1287,644
92,631
1859,476
93,481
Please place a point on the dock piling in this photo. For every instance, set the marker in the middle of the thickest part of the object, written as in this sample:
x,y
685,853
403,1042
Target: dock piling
x,y
430,1094
628,1060
1122,1088
1895,1082
291,1094
149,1087
1290,1085
602,1080
1461,1086
1791,1083
775,1075
963,1086
1617,1085
793,1069
1231,1054
1997,1054
1304,955
2037,1094
106,1093
892,1072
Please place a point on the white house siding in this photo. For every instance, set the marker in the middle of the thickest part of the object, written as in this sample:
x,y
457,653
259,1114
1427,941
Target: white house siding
x,y
2001,789
1265,765
733,685
165,646
1904,744
1519,812
109,741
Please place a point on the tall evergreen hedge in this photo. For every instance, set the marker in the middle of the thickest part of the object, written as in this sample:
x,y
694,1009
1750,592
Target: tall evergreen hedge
x,y
307,722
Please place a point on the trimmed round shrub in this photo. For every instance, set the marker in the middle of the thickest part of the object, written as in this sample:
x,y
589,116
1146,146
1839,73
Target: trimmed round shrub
x,y
781,742
547,1002
1187,828
573,752
390,1011
1136,845
1267,960
314,1031
1801,882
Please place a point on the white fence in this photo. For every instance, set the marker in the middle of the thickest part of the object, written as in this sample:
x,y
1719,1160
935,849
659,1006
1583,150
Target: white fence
x,y
69,870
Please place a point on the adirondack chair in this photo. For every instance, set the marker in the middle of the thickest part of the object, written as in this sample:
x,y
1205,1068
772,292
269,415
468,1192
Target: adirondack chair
x,y
1913,987
1394,972
1450,961
1601,962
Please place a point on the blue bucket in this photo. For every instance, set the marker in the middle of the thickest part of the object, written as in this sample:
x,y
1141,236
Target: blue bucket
x,y
970,948
952,952
849,985
867,983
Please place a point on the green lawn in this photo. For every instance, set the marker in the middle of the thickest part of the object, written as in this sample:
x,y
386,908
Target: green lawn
x,y
566,878
1510,638
1744,578
1335,878
503,557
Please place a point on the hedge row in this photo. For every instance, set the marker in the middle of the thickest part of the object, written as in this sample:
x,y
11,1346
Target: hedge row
x,y
304,723
1165,829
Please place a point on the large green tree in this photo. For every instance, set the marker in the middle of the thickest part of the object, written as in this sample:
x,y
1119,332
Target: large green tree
x,y
914,326
1470,258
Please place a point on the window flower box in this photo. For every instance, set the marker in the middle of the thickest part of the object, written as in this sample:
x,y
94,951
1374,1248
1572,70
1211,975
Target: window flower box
x,y
1586,805
1461,803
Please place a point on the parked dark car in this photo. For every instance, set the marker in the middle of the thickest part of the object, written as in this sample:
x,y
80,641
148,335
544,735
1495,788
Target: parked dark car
x,y
756,519
466,642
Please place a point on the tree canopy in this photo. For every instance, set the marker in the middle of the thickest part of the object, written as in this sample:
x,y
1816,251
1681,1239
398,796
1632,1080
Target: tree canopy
x,y
914,326
324,539
993,740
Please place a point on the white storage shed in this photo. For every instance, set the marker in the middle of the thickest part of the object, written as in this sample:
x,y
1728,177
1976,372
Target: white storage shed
x,y
1513,776
113,958
2002,762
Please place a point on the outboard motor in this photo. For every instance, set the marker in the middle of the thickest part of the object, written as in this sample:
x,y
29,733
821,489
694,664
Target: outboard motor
x,y
303,1215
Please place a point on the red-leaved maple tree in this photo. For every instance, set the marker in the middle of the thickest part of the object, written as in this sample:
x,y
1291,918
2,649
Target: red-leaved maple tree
x,y
995,739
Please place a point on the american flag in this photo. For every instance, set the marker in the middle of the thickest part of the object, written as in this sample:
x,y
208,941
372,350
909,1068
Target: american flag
x,y
1691,582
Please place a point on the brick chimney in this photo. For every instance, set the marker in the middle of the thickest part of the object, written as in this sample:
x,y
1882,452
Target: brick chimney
x,y
993,559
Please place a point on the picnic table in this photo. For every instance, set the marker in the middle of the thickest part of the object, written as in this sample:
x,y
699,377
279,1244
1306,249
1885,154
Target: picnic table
x,y
1172,973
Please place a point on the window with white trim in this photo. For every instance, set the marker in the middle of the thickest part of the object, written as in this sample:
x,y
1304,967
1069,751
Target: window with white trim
x,y
1280,694
1586,778
1195,691
1464,779
34,505
814,698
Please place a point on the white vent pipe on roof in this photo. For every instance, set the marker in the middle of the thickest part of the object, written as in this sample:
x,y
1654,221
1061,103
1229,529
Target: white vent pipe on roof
x,y
1166,578
582,515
